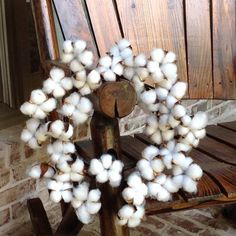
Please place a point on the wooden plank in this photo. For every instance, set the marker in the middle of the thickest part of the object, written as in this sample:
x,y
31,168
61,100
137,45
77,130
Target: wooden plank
x,y
39,217
73,21
223,174
224,48
104,23
155,23
229,125
199,48
222,134
218,150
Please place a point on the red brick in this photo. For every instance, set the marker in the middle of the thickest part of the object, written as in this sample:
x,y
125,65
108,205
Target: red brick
x,y
4,177
17,192
4,216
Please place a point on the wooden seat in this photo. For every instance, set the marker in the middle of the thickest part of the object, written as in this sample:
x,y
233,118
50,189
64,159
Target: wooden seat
x,y
216,154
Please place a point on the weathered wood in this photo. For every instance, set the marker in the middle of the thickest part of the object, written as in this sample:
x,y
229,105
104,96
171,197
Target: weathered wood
x,y
70,225
104,23
38,216
224,48
198,31
229,125
105,136
155,23
222,135
45,28
72,18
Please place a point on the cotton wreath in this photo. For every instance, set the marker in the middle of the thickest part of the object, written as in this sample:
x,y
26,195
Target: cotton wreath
x,y
172,131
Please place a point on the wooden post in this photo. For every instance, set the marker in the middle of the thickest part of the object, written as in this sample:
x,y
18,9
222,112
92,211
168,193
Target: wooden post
x,y
105,136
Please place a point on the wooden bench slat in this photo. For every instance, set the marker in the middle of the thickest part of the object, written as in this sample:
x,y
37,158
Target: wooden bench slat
x,y
229,125
222,134
218,150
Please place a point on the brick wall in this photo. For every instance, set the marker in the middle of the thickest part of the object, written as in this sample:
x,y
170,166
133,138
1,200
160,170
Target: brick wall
x,y
16,187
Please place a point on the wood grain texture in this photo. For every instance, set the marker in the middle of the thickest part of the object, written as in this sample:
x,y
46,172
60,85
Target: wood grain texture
x,y
229,125
198,31
72,18
104,23
224,48
155,23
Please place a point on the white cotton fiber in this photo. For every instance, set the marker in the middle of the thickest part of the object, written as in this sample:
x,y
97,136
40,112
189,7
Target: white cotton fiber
x,y
160,179
161,93
170,71
170,101
35,172
178,180
167,160
163,195
68,46
178,90
148,97
170,186
106,160
85,105
76,66
189,185
83,214
134,179
102,177
28,108
143,164
128,194
57,74
86,58
150,152
94,195
95,167
94,77
170,57
49,105
79,46
117,166
67,196
133,222
194,171
55,196
140,60
93,207
81,191
157,165
26,135
126,212
105,61
199,121
178,111
147,173
37,96
123,43
157,54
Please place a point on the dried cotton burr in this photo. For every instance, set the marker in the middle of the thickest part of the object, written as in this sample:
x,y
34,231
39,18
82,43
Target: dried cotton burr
x,y
130,215
105,169
77,108
35,133
60,151
70,172
60,191
86,202
136,190
39,105
41,170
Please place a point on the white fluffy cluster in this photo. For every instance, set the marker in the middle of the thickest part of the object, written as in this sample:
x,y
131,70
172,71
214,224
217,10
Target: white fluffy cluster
x,y
86,202
105,169
39,105
165,166
57,84
77,108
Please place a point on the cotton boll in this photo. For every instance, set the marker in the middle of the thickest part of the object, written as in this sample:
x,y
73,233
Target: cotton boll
x,y
117,166
160,179
26,135
114,178
170,101
109,75
85,105
163,109
75,177
168,135
94,195
194,171
157,54
140,60
158,76
170,57
153,189
58,91
106,160
184,147
150,152
186,120
37,96
76,203
35,172
28,108
55,196
182,130
143,164
189,185
163,195
170,186
126,212
152,121
57,74
68,147
199,134
126,53
138,199
161,93
85,90
118,69
178,90
177,170
148,97
102,177
95,167
94,77
189,138
64,166
169,70
33,143
93,207
123,43
79,117
67,109
178,111
83,214
199,121
65,177
78,165
156,137
57,128
167,160
152,66
76,66
128,194
79,46
188,161
134,179
134,222
66,135
67,196
128,73
68,46
178,180
49,105
179,159
157,165
67,58
49,85
105,61
173,122
67,83
86,58
81,191
147,173
195,143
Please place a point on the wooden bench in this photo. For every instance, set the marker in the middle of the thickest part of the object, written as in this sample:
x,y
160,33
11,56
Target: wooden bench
x,y
215,154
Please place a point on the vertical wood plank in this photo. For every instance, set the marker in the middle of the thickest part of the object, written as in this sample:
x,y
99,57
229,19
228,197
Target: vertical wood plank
x,y
72,18
104,23
224,48
199,48
155,23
